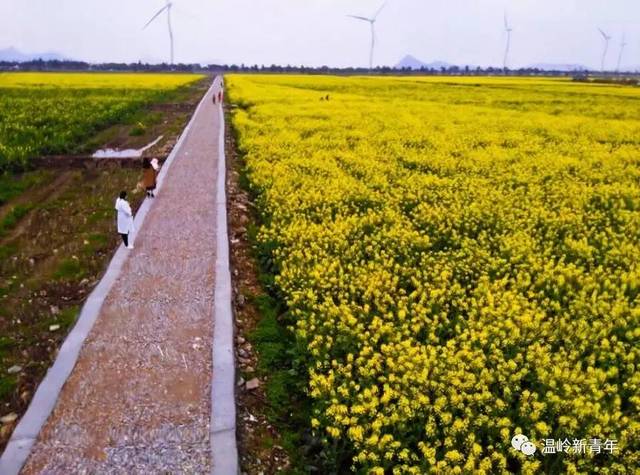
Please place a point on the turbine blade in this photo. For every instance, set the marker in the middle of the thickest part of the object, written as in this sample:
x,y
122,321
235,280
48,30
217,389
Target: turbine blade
x,y
379,10
604,35
156,15
506,21
360,18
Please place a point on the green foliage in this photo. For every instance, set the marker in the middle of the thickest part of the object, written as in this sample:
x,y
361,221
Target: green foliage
x,y
68,316
12,218
8,385
138,129
13,185
69,269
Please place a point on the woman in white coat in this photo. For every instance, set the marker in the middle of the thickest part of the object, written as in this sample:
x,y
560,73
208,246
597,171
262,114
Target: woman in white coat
x,y
124,218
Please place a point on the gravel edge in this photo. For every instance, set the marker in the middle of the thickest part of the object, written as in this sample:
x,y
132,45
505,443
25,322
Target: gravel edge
x,y
224,450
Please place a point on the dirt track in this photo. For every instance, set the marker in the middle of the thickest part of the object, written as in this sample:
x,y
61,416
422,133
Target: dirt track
x,y
138,400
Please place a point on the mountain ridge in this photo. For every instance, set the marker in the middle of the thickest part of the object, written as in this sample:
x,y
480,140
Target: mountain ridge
x,y
411,62
15,55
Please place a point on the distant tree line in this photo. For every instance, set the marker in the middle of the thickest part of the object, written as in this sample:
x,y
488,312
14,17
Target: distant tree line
x,y
57,65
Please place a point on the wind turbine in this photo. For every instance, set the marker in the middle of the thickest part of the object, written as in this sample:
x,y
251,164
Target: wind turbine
x,y
508,30
167,7
372,22
623,43
606,48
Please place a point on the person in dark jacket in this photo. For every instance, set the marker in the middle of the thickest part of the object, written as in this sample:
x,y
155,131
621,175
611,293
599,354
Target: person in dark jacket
x,y
148,177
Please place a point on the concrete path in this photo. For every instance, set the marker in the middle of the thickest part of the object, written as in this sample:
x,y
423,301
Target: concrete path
x,y
139,399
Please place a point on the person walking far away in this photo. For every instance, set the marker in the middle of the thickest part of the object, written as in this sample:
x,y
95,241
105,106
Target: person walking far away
x,y
149,174
124,218
220,94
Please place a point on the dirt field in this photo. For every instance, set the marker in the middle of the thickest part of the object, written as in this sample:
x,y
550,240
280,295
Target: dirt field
x,y
56,237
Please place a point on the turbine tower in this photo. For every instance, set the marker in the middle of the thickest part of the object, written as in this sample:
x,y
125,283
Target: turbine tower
x,y
372,22
606,38
167,7
508,30
623,43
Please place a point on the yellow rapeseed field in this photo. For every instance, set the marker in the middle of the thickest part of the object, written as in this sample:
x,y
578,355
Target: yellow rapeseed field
x,y
460,259
52,113
102,80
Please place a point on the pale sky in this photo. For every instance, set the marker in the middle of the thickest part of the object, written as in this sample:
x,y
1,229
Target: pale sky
x,y
317,32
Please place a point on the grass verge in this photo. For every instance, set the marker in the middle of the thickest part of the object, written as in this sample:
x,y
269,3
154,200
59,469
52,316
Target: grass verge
x,y
274,428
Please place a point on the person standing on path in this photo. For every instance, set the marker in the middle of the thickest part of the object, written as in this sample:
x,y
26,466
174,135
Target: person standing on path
x,y
148,177
124,218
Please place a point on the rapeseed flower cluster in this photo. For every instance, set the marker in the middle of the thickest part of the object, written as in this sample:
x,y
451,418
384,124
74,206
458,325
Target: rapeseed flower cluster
x,y
460,261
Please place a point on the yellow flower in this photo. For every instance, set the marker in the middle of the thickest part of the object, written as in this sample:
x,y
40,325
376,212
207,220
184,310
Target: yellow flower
x,y
458,259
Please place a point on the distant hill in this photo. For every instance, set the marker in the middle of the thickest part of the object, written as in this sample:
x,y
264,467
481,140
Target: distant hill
x,y
151,60
558,67
13,54
413,63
